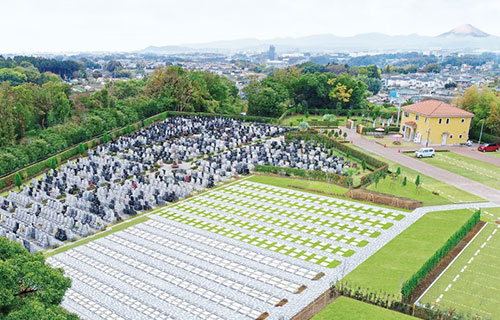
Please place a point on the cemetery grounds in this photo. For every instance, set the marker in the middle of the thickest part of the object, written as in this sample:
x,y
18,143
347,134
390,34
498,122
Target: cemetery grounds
x,y
471,283
245,250
480,171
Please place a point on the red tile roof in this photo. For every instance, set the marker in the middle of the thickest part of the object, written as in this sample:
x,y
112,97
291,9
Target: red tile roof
x,y
435,108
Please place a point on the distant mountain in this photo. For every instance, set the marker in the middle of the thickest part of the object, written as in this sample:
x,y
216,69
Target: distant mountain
x,y
465,30
464,38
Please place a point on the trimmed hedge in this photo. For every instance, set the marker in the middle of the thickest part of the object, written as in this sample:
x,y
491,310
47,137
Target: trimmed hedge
x,y
314,174
486,137
377,165
323,123
232,116
412,283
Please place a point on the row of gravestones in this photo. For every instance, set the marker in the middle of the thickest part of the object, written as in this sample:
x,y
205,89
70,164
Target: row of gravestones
x,y
107,186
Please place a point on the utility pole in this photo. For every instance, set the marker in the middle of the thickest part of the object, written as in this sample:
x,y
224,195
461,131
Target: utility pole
x,y
399,111
481,134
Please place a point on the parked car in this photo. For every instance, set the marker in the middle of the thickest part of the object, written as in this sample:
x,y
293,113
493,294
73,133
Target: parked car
x,y
424,153
488,147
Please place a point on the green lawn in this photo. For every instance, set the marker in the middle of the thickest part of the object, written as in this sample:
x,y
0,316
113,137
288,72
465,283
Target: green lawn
x,y
296,119
285,182
446,192
490,214
409,191
386,140
477,288
483,172
110,230
350,309
392,265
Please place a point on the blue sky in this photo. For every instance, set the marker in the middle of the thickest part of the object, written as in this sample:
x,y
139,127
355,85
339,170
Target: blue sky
x,y
127,25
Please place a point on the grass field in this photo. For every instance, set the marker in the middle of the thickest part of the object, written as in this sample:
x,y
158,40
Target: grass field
x,y
350,309
313,185
472,283
448,194
490,214
409,191
483,172
388,142
388,268
295,120
317,186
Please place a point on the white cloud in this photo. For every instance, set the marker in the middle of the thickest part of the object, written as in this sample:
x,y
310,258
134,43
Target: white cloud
x,y
62,25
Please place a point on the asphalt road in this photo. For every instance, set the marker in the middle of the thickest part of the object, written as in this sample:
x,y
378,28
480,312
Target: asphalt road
x,y
453,179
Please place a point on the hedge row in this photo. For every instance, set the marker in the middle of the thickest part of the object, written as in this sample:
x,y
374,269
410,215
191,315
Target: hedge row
x,y
332,143
232,116
323,123
378,166
313,174
412,283
486,137
386,129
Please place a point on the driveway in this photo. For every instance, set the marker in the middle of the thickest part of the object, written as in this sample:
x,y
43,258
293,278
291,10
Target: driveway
x,y
455,180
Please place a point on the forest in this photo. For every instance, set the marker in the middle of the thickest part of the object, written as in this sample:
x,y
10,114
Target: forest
x,y
40,119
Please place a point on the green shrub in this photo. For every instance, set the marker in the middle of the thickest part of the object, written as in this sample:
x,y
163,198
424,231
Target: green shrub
x,y
313,174
412,283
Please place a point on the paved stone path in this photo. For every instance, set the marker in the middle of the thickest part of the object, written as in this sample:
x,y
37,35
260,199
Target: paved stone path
x,y
453,179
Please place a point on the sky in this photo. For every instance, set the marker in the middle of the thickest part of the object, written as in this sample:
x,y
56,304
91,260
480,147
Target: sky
x,y
30,26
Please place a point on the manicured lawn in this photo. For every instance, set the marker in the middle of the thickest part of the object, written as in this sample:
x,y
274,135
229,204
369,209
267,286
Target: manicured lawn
x,y
389,142
392,265
483,172
490,214
409,191
447,192
295,120
471,284
287,182
313,185
110,230
350,309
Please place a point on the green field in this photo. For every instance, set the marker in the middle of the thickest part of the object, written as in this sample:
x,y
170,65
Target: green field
x,y
410,191
477,288
392,265
301,183
315,186
296,119
483,172
448,194
350,309
490,214
387,141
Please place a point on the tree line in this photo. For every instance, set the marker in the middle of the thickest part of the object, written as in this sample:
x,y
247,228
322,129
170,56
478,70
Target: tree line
x,y
311,86
485,104
40,120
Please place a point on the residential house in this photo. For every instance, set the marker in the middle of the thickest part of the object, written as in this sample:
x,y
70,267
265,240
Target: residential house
x,y
434,122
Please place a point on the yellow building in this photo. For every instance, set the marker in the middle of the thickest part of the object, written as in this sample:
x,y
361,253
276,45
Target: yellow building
x,y
434,122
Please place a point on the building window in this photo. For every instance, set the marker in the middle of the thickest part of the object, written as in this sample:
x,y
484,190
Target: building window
x,y
448,121
451,136
440,121
417,117
460,136
407,114
425,120
463,120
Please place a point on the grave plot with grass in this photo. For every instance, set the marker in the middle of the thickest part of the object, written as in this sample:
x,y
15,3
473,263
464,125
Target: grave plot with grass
x,y
483,172
320,238
471,284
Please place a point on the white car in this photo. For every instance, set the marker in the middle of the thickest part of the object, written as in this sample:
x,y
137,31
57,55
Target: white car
x,y
424,153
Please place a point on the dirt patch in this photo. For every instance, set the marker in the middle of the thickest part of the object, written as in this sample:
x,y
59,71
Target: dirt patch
x,y
434,273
